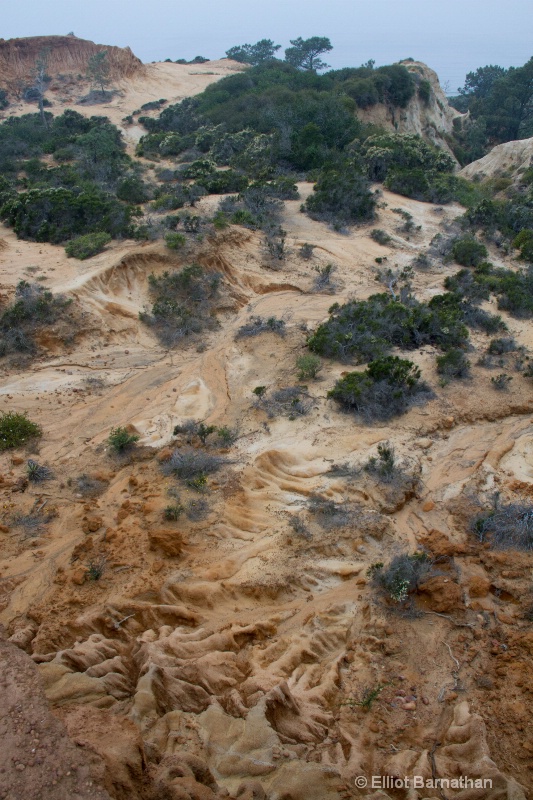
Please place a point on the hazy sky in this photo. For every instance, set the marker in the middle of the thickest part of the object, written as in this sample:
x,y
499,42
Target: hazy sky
x,y
453,37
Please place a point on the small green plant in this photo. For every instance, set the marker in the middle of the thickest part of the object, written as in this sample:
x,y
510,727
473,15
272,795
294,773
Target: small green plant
x,y
95,569
453,365
380,236
384,465
175,241
368,697
87,246
259,391
16,429
173,512
38,473
386,388
306,251
501,382
226,436
120,440
468,252
323,281
308,366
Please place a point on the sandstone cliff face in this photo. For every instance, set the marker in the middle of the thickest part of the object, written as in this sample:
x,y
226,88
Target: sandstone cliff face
x,y
65,55
433,120
512,158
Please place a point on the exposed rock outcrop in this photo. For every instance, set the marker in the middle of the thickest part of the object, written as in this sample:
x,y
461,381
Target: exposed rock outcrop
x,y
66,55
433,119
511,158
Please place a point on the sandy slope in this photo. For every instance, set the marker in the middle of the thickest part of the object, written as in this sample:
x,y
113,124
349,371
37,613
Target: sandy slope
x,y
231,654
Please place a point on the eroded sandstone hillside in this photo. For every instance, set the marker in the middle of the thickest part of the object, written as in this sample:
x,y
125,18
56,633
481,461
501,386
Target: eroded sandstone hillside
x,y
239,646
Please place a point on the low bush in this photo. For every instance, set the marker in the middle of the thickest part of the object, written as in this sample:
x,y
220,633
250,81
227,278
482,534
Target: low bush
x,y
507,526
341,197
364,330
387,388
453,365
329,514
16,430
183,304
258,325
498,347
308,367
402,577
120,440
379,236
193,466
32,309
468,252
324,279
501,382
175,241
38,473
87,246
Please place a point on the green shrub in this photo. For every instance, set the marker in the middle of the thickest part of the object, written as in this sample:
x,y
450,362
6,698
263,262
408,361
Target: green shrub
x,y
87,246
132,189
501,382
33,308
379,236
367,329
341,197
120,440
57,214
183,304
403,152
453,364
469,252
524,243
175,241
387,388
308,366
173,512
38,473
16,429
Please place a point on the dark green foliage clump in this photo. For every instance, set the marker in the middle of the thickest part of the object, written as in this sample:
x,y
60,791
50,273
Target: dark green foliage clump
x,y
379,236
341,197
16,429
56,214
367,329
183,304
38,473
505,527
120,440
389,152
32,309
254,54
87,246
383,466
469,252
387,388
453,365
79,193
